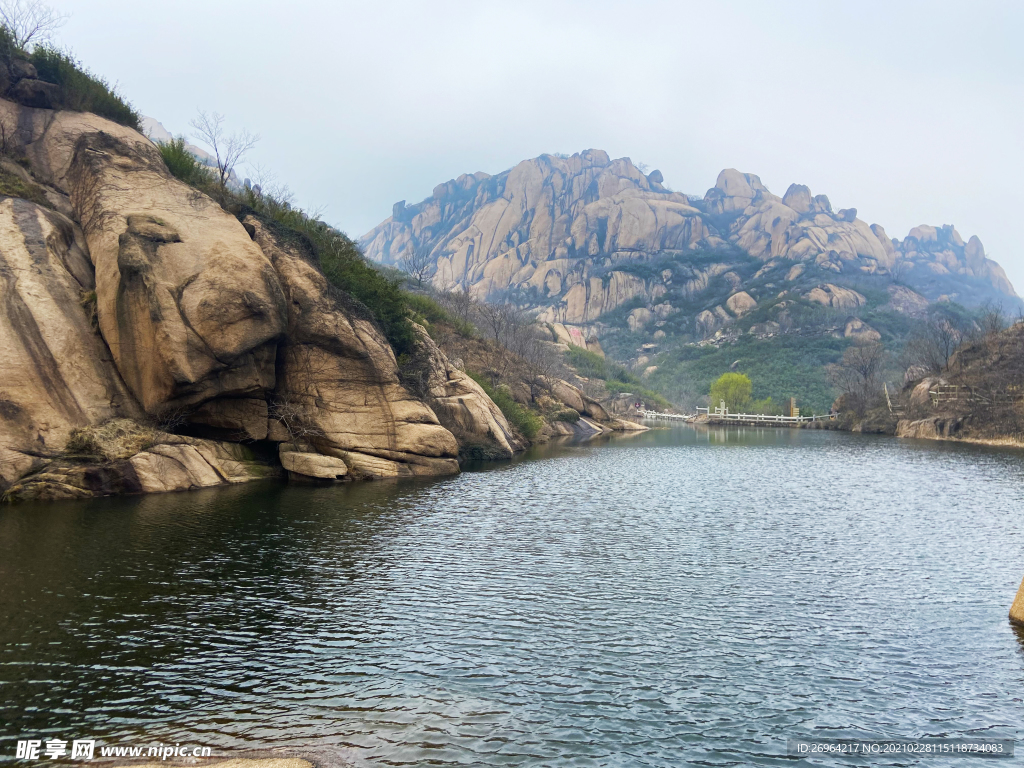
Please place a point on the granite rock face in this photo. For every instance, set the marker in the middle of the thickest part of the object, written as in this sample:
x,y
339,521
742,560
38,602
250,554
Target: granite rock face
x,y
578,237
187,304
131,300
337,380
550,225
58,375
121,456
462,406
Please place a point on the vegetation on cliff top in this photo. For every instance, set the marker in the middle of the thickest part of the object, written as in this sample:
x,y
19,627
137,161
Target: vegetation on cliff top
x,y
524,421
78,89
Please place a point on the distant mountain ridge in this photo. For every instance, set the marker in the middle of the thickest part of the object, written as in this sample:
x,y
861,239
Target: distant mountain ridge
x,y
580,237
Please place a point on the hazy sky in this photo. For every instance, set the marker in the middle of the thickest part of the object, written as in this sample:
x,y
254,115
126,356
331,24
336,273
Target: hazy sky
x,y
911,112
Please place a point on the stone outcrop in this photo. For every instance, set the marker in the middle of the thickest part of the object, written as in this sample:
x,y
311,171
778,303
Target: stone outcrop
x,y
546,225
121,456
942,251
337,379
1017,608
131,299
711,320
933,428
187,304
833,296
572,335
740,303
462,406
797,227
304,463
906,301
58,374
860,331
19,81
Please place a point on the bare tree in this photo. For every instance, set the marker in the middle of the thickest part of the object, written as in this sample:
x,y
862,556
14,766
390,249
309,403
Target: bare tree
x,y
494,319
899,269
417,262
992,319
30,22
228,150
934,345
294,404
859,375
458,303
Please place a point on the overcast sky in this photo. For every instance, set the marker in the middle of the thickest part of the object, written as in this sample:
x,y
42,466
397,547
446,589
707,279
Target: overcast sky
x,y
911,112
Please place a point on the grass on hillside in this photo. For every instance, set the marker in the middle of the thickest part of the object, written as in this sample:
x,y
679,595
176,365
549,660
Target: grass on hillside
x,y
617,379
183,164
425,308
524,421
780,368
12,185
79,89
344,266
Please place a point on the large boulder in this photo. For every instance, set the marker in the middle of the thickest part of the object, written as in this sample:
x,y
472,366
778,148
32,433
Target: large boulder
x,y
566,393
906,301
860,331
57,372
638,318
740,303
301,464
338,382
36,93
188,305
829,295
461,404
710,320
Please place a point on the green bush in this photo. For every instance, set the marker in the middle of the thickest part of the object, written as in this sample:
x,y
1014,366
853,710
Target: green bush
x,y
587,363
80,90
521,419
569,415
183,164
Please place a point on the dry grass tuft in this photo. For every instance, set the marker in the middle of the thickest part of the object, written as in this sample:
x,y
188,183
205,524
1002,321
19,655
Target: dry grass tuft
x,y
113,440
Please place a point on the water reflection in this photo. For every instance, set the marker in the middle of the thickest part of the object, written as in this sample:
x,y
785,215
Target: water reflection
x,y
681,596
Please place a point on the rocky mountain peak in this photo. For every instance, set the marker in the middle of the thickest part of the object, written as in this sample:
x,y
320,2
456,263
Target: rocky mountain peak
x,y
579,236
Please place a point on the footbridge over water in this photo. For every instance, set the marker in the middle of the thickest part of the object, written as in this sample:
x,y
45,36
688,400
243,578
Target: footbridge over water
x,y
721,415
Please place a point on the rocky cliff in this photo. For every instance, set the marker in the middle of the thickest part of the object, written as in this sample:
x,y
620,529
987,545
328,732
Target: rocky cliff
x,y
153,341
579,237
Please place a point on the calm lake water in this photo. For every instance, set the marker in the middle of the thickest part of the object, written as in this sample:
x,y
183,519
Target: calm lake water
x,y
680,597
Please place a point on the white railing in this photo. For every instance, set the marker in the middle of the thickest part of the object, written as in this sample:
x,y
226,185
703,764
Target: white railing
x,y
766,418
722,414
668,416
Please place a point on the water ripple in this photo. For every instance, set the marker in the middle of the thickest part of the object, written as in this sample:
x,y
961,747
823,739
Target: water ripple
x,y
679,598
